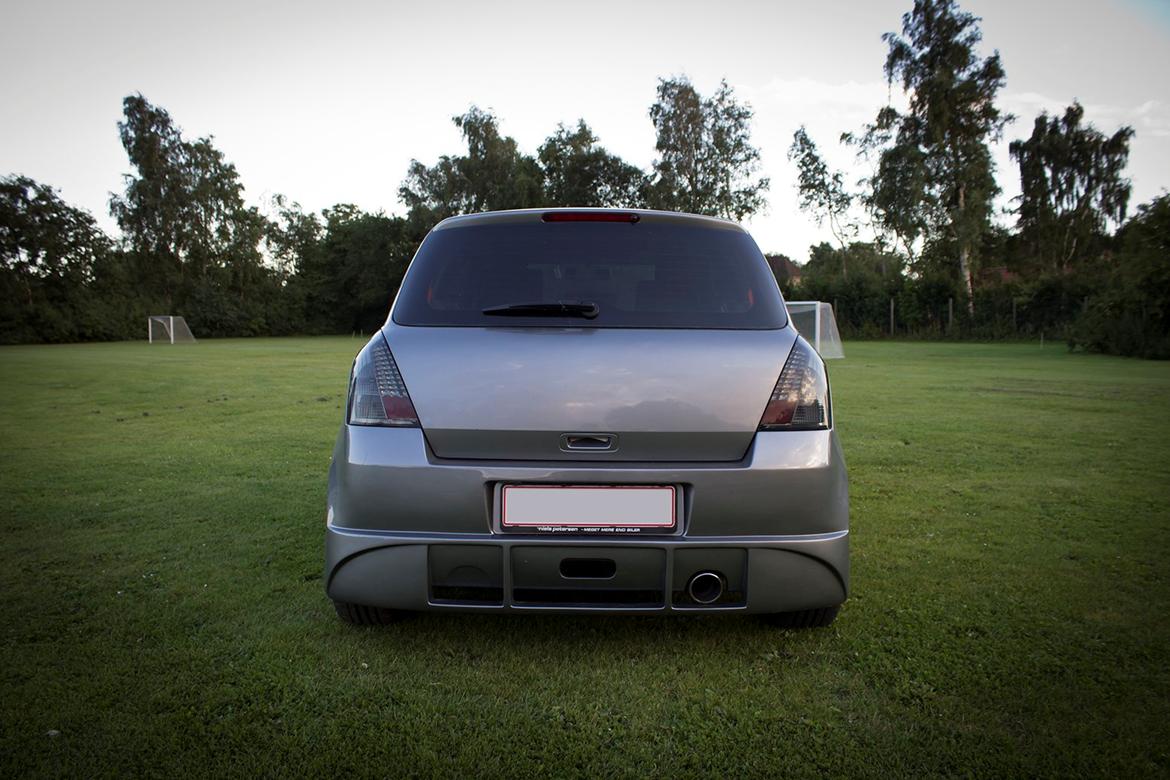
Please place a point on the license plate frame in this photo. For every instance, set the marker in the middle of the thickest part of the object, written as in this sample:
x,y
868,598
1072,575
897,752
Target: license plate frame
x,y
588,509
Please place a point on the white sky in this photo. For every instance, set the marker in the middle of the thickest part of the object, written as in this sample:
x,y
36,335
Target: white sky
x,y
327,102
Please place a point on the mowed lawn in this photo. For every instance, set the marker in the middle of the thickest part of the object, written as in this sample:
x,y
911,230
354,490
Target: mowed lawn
x,y
163,612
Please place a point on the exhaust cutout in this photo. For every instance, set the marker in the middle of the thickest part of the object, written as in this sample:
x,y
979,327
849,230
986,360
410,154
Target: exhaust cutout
x,y
705,587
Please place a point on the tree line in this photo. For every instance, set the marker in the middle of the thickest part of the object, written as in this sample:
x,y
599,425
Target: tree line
x,y
191,245
940,264
935,262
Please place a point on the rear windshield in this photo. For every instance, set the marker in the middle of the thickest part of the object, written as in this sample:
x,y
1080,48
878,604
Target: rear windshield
x,y
644,275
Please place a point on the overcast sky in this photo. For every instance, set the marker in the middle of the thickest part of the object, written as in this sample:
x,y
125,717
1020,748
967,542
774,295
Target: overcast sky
x,y
327,102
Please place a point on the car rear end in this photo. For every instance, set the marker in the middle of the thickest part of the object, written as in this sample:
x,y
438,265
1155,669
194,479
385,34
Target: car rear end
x,y
588,410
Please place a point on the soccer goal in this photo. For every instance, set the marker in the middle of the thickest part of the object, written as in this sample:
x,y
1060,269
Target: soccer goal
x,y
166,329
815,321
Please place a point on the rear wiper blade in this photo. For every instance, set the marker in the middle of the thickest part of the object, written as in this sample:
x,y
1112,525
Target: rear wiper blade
x,y
560,309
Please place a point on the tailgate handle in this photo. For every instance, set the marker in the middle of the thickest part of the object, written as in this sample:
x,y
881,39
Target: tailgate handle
x,y
588,441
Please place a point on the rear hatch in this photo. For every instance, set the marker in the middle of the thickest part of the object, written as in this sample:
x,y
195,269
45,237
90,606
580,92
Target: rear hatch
x,y
669,343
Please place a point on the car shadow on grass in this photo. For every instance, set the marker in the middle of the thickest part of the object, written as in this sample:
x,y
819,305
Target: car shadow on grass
x,y
585,635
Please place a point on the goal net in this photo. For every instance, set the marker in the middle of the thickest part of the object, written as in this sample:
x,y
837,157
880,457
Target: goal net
x,y
166,329
815,321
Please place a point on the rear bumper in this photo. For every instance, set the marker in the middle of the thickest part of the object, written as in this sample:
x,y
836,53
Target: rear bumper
x,y
410,531
485,572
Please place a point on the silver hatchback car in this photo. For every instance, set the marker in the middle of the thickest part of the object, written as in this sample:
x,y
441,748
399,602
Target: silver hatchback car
x,y
588,410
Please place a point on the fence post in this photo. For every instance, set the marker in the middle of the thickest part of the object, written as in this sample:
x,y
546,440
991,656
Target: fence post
x,y
950,315
891,317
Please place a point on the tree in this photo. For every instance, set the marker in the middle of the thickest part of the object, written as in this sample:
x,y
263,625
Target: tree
x,y
1130,314
706,163
1071,185
861,297
867,260
50,253
934,167
293,235
822,191
184,221
152,210
580,172
492,175
42,236
348,278
895,194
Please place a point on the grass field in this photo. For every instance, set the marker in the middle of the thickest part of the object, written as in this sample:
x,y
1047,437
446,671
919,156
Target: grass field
x,y
163,612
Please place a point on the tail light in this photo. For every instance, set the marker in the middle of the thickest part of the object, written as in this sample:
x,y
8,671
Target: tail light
x,y
800,400
377,394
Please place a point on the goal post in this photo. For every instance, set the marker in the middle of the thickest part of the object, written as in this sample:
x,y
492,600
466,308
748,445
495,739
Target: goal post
x,y
815,321
168,329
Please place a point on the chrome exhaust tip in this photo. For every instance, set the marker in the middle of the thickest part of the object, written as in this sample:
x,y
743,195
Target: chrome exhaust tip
x,y
705,587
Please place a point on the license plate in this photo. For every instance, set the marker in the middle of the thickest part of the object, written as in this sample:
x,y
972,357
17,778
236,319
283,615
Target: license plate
x,y
560,507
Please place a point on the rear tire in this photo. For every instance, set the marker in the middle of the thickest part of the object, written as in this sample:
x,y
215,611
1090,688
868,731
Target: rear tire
x,y
806,618
361,615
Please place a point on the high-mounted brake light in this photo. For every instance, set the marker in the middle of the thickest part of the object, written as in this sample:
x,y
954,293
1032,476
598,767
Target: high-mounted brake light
x,y
590,216
800,400
377,394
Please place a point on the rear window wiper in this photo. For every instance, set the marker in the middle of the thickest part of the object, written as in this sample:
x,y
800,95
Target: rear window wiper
x,y
587,310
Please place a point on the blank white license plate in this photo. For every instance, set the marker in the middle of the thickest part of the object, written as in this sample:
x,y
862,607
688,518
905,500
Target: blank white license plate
x,y
627,506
